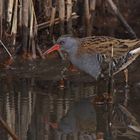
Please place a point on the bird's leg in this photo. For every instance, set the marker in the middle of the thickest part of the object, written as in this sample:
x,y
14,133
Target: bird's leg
x,y
126,97
110,89
63,77
99,98
100,90
110,85
110,82
126,77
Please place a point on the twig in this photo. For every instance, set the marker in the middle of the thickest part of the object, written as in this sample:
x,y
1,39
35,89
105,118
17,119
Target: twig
x,y
120,17
127,113
6,49
40,52
126,64
57,21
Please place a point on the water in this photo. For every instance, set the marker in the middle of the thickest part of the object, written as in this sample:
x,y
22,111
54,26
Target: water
x,y
38,109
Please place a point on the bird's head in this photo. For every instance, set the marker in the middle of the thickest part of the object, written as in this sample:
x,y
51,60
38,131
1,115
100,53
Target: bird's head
x,y
68,44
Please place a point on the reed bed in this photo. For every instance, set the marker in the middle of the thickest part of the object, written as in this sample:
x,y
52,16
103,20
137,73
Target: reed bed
x,y
28,27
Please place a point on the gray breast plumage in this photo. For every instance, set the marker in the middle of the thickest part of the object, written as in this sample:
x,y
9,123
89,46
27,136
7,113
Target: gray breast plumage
x,y
87,63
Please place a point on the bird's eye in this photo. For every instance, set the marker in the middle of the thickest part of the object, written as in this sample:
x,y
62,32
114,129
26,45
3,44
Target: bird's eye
x,y
62,42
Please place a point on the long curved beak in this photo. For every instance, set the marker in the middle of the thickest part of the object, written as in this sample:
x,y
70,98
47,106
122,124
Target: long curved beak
x,y
56,47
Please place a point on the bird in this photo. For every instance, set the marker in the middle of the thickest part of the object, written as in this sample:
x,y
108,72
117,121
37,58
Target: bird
x,y
98,55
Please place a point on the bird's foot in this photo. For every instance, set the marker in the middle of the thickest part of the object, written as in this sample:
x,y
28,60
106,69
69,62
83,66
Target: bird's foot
x,y
108,98
62,84
126,86
99,100
100,136
103,99
71,68
126,77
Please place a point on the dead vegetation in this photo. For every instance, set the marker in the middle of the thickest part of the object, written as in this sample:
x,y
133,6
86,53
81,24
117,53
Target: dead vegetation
x,y
28,27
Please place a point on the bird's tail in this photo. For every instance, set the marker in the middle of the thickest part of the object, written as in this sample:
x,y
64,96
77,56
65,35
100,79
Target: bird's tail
x,y
135,46
135,51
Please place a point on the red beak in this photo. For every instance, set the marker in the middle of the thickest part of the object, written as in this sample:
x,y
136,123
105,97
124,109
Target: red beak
x,y
56,47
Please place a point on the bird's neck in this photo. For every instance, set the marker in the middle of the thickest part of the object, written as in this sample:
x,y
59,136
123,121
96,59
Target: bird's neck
x,y
73,48
73,52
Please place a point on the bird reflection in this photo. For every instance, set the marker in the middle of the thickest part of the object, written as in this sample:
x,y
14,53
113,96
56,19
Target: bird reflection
x,y
79,120
81,117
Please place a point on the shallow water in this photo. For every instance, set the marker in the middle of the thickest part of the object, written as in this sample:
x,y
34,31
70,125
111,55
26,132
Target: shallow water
x,y
39,109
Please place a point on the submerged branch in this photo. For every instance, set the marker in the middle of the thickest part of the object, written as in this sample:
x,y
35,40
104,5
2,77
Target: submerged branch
x,y
8,129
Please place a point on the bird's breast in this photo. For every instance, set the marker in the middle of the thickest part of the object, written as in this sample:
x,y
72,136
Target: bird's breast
x,y
87,63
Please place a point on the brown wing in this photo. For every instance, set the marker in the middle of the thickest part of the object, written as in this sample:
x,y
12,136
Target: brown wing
x,y
106,45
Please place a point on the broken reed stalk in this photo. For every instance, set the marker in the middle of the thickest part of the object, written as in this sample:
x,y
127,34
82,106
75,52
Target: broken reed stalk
x,y
92,5
62,15
8,129
53,12
33,49
35,29
30,25
25,18
121,19
31,32
69,19
56,21
14,22
1,17
20,16
52,19
92,13
10,12
87,18
46,8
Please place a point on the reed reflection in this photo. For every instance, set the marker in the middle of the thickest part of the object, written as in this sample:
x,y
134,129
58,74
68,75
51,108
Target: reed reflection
x,y
39,109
